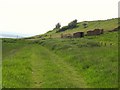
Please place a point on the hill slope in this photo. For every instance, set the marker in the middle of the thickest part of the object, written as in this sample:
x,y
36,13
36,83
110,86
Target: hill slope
x,y
107,25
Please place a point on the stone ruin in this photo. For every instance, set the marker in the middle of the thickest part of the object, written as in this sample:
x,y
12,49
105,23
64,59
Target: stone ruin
x,y
95,32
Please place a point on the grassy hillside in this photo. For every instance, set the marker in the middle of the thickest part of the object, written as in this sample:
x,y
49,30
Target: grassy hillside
x,y
107,25
90,62
93,57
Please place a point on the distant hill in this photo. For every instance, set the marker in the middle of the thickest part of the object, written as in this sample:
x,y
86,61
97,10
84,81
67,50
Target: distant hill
x,y
9,36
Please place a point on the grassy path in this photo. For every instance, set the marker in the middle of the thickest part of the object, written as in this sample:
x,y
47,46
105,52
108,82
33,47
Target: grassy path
x,y
38,67
49,70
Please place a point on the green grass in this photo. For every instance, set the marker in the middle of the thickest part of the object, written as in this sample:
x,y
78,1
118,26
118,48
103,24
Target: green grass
x,y
52,72
97,62
91,61
30,67
17,69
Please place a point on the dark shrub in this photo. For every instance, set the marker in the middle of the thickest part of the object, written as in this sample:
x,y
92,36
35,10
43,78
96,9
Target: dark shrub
x,y
72,24
63,29
85,25
58,25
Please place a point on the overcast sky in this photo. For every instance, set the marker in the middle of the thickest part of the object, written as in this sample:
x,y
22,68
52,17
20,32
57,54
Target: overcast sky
x,y
32,17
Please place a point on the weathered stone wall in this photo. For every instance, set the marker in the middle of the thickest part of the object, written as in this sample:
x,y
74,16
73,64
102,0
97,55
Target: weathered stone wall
x,y
95,32
78,34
